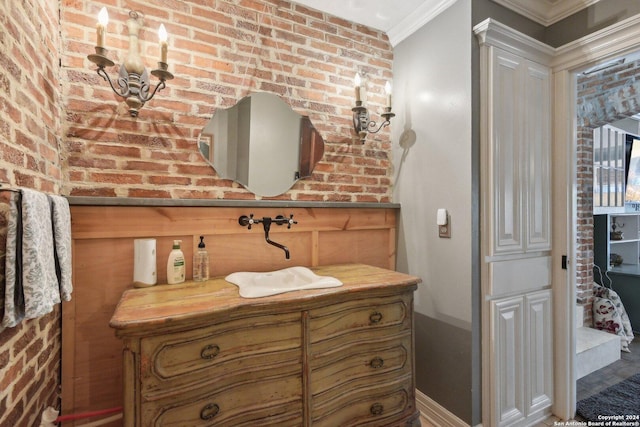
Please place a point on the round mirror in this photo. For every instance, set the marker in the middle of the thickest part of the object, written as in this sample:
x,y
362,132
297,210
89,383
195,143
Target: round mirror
x,y
262,144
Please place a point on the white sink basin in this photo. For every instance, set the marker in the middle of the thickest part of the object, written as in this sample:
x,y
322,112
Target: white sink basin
x,y
255,285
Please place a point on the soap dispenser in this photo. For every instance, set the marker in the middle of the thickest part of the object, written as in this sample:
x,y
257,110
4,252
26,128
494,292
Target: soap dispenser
x,y
175,264
201,263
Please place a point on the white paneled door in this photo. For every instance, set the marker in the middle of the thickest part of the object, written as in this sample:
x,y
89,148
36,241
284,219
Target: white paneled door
x,y
516,226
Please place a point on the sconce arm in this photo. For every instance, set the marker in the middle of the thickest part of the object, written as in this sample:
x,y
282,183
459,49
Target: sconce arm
x,y
161,85
373,124
362,123
105,76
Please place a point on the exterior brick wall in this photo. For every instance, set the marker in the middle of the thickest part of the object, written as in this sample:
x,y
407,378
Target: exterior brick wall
x,y
219,52
30,129
604,97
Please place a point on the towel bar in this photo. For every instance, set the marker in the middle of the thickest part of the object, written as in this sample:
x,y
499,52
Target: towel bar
x,y
3,188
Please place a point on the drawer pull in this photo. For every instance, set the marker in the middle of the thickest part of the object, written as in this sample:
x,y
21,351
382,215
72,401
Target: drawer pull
x,y
209,411
375,317
377,409
210,351
376,362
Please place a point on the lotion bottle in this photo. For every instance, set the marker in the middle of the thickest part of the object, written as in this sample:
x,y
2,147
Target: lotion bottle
x,y
201,263
175,264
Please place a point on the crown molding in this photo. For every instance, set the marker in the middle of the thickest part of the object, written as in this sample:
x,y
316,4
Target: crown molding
x,y
546,12
494,33
414,21
616,40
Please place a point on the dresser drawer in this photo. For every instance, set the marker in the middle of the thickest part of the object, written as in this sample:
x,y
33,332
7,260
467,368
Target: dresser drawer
x,y
375,407
249,347
268,402
352,316
359,367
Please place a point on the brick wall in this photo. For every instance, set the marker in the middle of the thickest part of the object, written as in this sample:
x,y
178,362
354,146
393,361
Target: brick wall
x,y
219,52
30,129
605,97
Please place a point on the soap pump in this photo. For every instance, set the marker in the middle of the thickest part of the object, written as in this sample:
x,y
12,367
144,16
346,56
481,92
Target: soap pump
x,y
201,263
175,264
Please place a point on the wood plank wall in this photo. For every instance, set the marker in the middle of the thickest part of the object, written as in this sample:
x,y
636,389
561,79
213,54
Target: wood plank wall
x,y
103,268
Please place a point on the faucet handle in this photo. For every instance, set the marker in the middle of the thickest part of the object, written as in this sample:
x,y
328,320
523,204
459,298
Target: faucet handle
x,y
281,220
247,221
290,221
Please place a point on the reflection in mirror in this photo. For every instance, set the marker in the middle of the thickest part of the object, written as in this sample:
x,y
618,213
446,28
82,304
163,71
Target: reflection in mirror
x,y
262,144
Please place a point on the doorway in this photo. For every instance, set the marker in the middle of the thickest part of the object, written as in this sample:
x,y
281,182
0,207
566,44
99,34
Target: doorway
x,y
605,102
616,41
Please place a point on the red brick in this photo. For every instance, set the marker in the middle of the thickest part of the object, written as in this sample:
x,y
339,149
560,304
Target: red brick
x,y
157,194
14,416
138,165
11,373
22,382
310,12
95,163
92,192
115,178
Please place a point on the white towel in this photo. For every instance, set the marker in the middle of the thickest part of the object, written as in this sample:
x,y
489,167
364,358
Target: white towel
x,y
13,297
61,218
31,284
39,280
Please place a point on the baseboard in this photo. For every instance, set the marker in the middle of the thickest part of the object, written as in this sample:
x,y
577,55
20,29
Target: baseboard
x,y
435,413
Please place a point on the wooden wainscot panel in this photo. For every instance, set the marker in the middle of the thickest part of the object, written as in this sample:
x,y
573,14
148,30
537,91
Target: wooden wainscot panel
x,y
364,246
103,269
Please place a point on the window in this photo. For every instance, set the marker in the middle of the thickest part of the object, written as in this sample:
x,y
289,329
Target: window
x,y
632,192
608,169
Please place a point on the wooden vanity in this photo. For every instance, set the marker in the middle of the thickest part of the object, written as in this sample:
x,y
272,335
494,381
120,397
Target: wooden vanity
x,y
197,354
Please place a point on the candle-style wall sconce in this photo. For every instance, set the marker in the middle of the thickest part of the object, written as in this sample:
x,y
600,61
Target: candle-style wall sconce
x,y
133,79
362,124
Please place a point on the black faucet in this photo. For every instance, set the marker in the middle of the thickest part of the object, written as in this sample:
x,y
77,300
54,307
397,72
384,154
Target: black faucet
x,y
248,221
266,223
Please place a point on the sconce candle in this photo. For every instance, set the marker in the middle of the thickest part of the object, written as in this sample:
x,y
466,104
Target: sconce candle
x,y
103,20
357,83
162,35
387,89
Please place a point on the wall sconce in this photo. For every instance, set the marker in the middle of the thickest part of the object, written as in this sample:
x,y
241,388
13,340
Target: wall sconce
x,y
133,79
361,122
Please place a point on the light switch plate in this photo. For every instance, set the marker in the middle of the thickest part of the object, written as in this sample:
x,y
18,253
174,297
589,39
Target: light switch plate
x,y
444,231
442,217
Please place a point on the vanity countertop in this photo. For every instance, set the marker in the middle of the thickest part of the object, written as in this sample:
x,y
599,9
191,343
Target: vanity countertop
x,y
169,306
157,202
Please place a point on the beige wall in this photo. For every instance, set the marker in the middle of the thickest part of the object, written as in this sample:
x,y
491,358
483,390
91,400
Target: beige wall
x,y
434,170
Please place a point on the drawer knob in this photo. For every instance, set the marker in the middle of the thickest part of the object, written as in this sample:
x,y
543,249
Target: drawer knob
x,y
210,351
376,362
375,317
209,411
377,409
